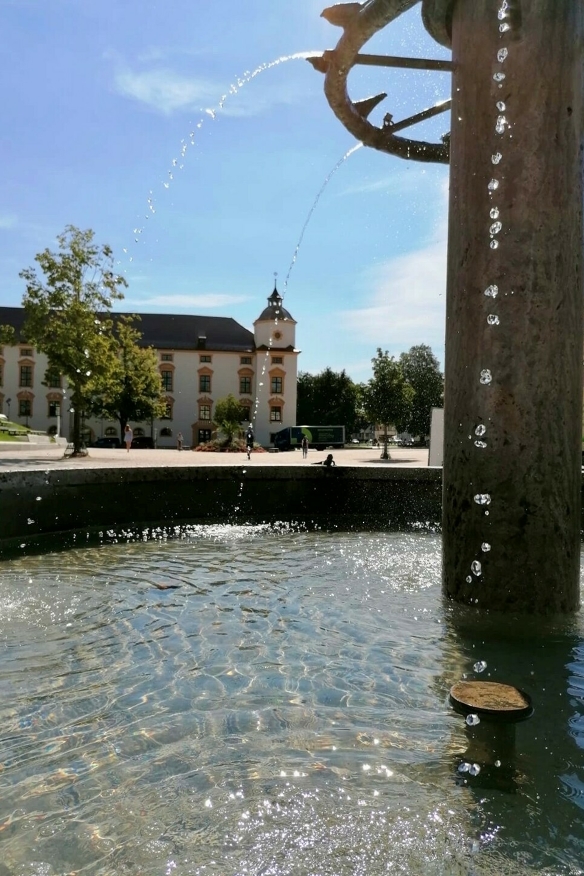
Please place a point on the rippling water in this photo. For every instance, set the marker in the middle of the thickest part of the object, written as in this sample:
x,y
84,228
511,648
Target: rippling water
x,y
281,708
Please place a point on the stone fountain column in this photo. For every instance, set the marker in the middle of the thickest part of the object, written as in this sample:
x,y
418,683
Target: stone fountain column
x,y
514,321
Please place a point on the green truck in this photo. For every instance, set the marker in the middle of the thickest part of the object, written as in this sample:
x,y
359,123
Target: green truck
x,y
318,436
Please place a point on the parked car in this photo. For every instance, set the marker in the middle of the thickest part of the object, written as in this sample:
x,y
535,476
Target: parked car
x,y
142,442
107,442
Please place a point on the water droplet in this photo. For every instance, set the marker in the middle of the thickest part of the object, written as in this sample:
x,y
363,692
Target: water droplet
x,y
463,767
468,579
480,666
480,444
476,568
29,520
494,214
486,377
501,124
493,185
501,106
502,13
166,185
473,720
482,499
493,319
502,54
496,158
38,498
504,27
494,244
497,763
485,547
474,770
480,430
495,228
498,77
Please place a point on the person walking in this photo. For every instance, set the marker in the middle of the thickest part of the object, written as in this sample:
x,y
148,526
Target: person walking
x,y
249,441
304,444
179,441
128,435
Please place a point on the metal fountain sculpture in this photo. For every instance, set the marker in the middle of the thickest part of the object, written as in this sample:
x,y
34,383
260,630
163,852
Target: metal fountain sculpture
x,y
514,314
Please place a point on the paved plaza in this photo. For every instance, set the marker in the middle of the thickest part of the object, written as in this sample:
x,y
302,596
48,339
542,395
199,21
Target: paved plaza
x,y
52,458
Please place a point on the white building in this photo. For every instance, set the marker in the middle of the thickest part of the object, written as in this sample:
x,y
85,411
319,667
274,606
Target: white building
x,y
201,359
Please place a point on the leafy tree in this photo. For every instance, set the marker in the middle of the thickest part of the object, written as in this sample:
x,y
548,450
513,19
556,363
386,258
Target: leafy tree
x,y
327,399
133,390
422,371
229,415
387,396
67,316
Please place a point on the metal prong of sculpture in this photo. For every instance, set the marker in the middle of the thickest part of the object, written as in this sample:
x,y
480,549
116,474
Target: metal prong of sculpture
x,y
360,22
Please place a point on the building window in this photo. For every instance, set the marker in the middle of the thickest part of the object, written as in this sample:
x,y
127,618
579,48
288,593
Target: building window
x,y
204,358
245,360
277,360
276,414
276,385
204,436
204,383
111,432
244,385
26,352
24,407
26,375
167,415
166,377
167,357
204,412
53,379
166,432
54,408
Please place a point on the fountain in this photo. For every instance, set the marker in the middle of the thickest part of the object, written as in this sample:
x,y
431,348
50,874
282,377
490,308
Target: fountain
x,y
513,387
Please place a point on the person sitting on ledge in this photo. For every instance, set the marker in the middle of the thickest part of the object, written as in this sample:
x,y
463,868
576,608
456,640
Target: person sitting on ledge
x,y
329,461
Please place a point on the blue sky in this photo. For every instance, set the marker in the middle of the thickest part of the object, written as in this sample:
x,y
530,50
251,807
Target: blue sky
x,y
107,125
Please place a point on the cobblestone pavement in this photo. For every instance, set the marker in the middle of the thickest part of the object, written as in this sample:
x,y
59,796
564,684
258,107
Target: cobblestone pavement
x,y
52,458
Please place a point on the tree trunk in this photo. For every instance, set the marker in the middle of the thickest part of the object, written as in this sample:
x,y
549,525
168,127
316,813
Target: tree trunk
x,y
513,392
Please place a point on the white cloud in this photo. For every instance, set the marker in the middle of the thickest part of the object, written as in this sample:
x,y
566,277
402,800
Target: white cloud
x,y
192,303
167,91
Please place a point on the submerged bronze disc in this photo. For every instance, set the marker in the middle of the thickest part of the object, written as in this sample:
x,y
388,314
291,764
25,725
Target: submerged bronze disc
x,y
491,698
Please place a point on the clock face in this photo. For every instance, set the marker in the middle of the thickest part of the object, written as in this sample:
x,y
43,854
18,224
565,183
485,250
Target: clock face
x,y
277,335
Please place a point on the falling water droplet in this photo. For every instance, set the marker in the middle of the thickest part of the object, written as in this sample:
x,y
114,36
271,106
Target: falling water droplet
x,y
481,445
473,720
504,27
482,499
493,185
502,54
494,244
502,13
474,770
463,767
494,214
492,291
501,124
496,158
501,106
493,319
497,763
485,547
495,228
498,77
480,430
480,666
468,579
486,377
476,568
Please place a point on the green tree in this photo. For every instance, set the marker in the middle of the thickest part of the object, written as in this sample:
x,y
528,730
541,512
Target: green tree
x,y
67,316
387,397
133,390
422,371
327,399
229,415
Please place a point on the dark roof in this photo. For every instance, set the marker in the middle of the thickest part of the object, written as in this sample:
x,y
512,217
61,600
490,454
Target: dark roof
x,y
274,310
172,331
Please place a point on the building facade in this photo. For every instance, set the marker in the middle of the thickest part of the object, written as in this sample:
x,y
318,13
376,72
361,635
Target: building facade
x,y
201,360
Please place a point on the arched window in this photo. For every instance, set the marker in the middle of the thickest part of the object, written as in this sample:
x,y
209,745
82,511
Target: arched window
x,y
166,432
111,432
